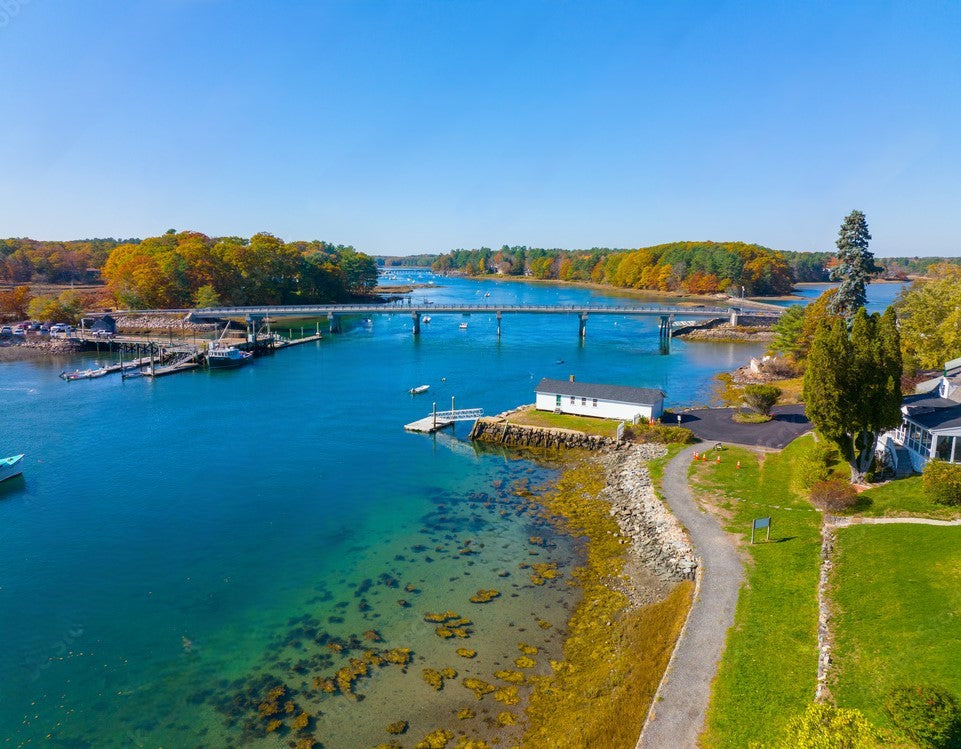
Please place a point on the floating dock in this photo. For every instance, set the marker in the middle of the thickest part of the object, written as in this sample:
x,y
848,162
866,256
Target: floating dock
x,y
427,425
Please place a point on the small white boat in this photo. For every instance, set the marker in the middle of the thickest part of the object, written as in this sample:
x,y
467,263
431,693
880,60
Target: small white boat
x,y
10,467
463,326
419,389
425,319
83,374
487,294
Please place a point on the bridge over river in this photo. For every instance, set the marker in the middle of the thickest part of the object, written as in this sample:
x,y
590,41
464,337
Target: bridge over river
x,y
333,312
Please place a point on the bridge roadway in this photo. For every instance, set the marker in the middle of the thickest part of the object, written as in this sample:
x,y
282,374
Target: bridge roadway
x,y
332,312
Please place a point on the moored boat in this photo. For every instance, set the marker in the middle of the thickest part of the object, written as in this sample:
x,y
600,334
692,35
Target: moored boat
x,y
419,389
84,374
10,467
463,326
223,357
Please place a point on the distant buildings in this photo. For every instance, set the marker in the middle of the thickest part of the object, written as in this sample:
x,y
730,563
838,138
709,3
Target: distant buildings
x,y
604,401
931,426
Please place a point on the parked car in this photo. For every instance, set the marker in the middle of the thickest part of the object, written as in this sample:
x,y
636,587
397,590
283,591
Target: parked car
x,y
58,328
44,329
35,326
6,331
20,333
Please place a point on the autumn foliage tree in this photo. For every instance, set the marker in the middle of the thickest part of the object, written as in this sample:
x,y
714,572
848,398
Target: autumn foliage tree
x,y
190,269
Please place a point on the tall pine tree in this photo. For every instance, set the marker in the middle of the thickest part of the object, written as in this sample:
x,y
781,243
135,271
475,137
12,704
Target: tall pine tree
x,y
852,385
855,265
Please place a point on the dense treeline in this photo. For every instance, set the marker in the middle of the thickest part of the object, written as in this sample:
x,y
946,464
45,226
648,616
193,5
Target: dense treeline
x,y
24,260
192,269
692,267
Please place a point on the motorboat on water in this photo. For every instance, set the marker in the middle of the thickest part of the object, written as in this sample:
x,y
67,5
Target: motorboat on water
x,y
10,467
84,374
419,389
222,357
463,326
425,319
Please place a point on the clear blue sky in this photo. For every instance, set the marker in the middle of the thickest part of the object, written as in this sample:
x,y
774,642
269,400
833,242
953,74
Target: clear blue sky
x,y
423,126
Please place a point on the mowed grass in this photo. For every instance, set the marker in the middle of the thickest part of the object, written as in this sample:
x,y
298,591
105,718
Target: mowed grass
x,y
897,613
768,671
901,498
551,420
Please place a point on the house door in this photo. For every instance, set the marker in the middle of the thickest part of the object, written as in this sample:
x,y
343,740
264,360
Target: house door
x,y
557,403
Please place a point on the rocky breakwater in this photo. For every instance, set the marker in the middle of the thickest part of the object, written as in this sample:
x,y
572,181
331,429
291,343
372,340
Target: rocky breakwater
x,y
173,322
499,431
36,347
659,545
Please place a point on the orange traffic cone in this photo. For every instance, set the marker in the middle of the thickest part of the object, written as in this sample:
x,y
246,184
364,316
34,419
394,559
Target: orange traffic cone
x,y
719,460
738,466
695,455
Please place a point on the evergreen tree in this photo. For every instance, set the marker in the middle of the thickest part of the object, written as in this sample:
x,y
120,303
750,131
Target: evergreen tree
x,y
855,265
852,385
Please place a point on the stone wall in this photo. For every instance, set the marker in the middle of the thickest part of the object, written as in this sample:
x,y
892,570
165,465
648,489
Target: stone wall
x,y
498,431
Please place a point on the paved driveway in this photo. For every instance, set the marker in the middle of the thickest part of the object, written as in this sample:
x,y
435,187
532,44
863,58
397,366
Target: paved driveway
x,y
715,425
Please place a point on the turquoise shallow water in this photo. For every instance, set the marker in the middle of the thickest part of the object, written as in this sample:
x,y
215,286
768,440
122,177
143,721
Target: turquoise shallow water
x,y
245,510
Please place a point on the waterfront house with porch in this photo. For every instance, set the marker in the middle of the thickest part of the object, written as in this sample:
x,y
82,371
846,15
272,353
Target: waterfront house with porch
x,y
603,401
931,425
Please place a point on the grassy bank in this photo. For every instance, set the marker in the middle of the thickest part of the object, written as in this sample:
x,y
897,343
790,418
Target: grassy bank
x,y
769,667
614,656
660,433
901,498
897,612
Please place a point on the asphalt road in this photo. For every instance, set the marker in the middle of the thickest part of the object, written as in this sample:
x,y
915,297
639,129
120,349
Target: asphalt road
x,y
715,425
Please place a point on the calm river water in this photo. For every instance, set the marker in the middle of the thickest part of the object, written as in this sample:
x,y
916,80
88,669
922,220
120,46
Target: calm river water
x,y
178,548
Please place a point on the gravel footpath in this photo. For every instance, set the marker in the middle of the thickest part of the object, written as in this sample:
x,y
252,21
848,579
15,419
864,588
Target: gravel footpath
x,y
677,716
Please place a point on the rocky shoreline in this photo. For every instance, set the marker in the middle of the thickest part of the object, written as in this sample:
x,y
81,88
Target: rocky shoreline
x,y
658,541
37,348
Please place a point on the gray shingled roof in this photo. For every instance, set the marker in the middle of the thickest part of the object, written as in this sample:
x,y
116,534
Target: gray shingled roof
x,y
623,393
932,412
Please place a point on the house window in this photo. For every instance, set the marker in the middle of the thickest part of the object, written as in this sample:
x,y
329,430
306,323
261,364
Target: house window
x,y
583,401
957,450
573,400
942,450
595,403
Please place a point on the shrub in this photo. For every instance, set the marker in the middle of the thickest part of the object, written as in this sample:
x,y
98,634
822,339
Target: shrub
x,y
816,464
928,715
824,726
761,398
833,495
661,434
942,482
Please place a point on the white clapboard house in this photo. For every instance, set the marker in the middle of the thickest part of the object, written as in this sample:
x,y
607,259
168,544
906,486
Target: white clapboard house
x,y
604,401
931,425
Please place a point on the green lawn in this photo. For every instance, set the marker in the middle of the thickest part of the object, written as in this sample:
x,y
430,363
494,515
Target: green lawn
x,y
769,667
897,612
551,420
903,497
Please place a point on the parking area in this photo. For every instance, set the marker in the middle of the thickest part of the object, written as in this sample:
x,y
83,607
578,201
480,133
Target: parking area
x,y
716,425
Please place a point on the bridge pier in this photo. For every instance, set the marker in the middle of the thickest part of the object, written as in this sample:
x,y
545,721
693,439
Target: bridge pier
x,y
499,316
415,316
582,326
333,322
666,331
734,316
